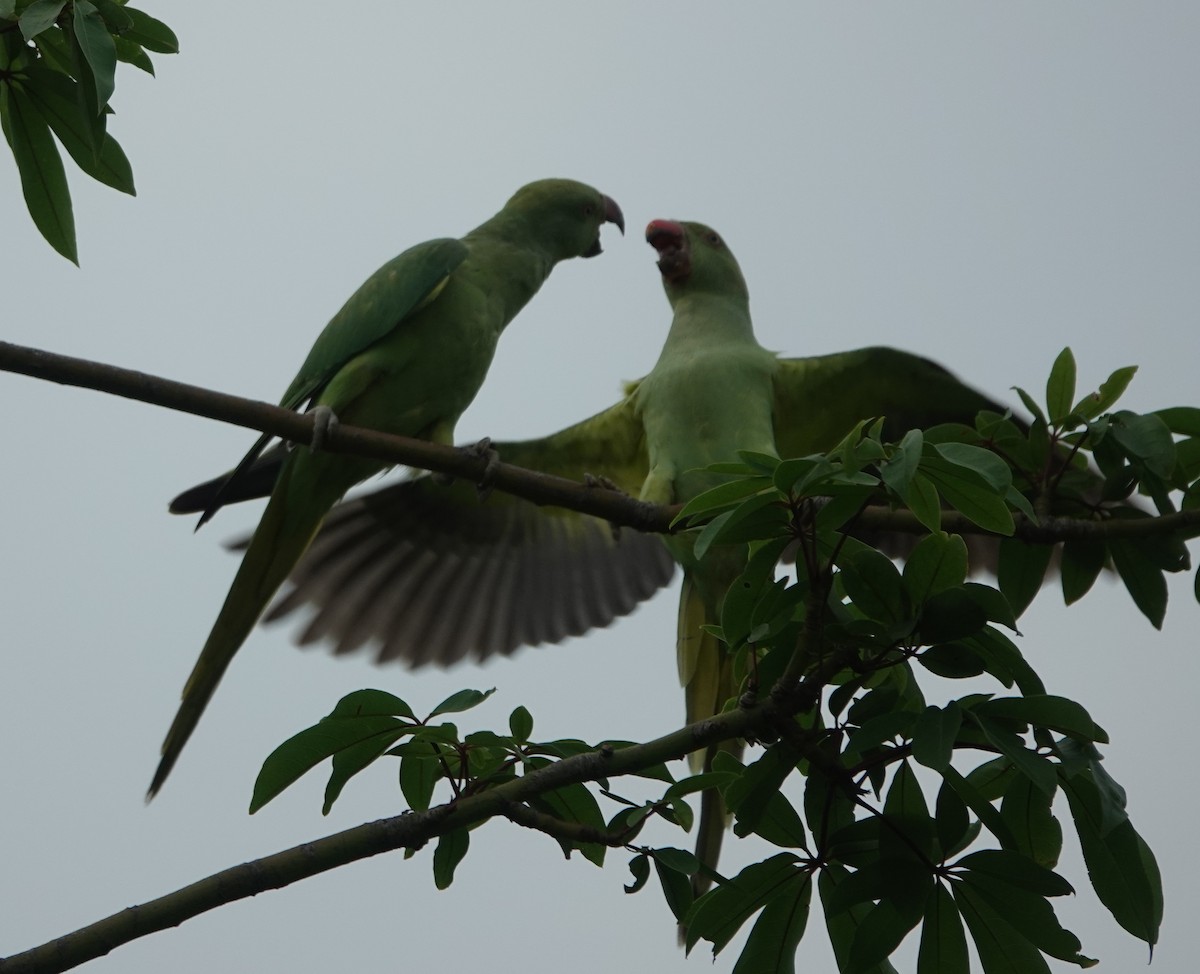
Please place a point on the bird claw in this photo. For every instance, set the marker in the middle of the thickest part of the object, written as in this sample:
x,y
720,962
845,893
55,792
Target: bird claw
x,y
593,480
484,450
325,421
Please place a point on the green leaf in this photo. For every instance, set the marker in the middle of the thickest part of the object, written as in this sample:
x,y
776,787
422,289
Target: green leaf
x,y
1001,948
680,860
953,661
1027,811
907,835
349,761
875,586
1003,660
418,776
758,806
43,179
520,723
447,855
1120,865
950,615
1015,919
775,936
1091,406
1143,580
152,34
39,16
56,98
953,825
460,701
842,924
993,603
1031,764
1021,571
1016,868
1081,564
639,867
115,18
721,496
969,493
1060,387
922,499
943,947
879,933
899,471
937,563
131,53
1014,498
979,804
1147,438
1046,710
1184,420
718,915
1031,404
304,751
1028,913
936,731
754,518
982,462
55,50
96,45
575,803
676,886
827,808
360,703
992,778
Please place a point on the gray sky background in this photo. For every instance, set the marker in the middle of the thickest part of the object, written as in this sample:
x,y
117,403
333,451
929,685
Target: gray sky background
x,y
982,184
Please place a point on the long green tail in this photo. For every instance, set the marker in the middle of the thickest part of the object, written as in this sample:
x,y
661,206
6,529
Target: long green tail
x,y
299,503
707,674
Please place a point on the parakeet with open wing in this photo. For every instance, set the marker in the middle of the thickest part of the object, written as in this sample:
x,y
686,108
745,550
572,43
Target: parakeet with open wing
x,y
406,354
433,575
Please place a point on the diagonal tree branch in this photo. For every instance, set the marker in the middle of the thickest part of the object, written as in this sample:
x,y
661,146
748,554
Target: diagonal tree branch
x,y
539,488
409,830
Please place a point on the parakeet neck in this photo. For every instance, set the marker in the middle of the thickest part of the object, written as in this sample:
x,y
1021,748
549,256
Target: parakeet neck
x,y
513,272
702,318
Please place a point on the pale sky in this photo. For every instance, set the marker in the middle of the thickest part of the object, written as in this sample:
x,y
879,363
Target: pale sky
x,y
982,184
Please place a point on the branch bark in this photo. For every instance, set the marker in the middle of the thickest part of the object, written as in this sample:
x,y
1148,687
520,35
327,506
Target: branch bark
x,y
539,488
409,830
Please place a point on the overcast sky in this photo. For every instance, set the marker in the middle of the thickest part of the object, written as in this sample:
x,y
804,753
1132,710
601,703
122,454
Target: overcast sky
x,y
982,184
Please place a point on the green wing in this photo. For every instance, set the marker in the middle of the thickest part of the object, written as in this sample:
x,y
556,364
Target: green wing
x,y
432,575
818,400
402,286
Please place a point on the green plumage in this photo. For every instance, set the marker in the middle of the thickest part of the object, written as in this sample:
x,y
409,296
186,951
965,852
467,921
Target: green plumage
x,y
434,576
406,355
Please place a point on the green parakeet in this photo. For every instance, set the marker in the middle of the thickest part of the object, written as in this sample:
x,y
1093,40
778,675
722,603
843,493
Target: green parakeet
x,y
433,575
406,354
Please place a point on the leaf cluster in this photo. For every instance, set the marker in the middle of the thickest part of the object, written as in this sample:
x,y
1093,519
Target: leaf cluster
x,y
58,61
902,813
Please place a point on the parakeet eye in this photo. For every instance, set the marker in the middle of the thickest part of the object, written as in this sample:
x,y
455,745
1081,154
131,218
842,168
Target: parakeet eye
x,y
715,239
588,209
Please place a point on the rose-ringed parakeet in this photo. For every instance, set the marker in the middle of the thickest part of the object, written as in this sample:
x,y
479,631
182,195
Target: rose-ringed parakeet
x,y
406,354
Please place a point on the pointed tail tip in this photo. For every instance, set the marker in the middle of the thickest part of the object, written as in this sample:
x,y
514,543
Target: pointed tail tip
x,y
165,764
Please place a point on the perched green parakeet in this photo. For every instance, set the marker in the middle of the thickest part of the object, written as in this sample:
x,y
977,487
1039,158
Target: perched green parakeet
x,y
406,354
433,575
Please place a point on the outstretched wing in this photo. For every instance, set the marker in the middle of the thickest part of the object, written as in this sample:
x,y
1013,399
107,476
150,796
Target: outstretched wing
x,y
433,575
818,400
